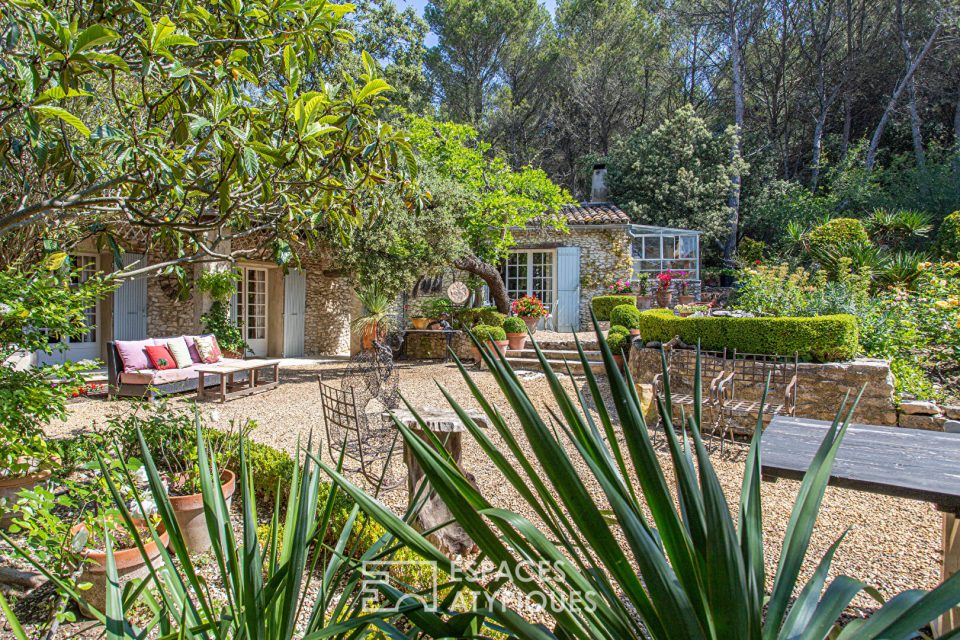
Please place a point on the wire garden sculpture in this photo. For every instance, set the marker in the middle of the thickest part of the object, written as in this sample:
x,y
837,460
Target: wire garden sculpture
x,y
356,419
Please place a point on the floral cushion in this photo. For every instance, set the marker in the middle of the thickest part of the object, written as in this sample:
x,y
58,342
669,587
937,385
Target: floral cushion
x,y
207,348
160,357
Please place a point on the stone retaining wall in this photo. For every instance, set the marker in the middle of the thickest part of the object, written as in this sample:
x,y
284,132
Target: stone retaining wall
x,y
821,387
433,346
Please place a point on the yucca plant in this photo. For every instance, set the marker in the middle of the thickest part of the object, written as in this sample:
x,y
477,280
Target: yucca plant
x,y
895,228
902,269
275,588
691,572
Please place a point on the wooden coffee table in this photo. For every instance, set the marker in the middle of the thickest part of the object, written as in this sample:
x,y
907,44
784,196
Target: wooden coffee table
x,y
229,388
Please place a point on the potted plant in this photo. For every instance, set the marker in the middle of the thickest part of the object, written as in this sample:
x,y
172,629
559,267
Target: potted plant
x,y
643,293
52,295
493,337
664,292
686,310
171,435
69,527
626,316
618,339
685,298
377,319
221,286
516,330
531,310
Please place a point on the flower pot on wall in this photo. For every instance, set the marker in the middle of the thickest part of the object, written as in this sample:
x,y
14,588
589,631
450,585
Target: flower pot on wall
x,y
516,341
644,302
531,324
686,298
130,566
420,323
664,297
188,511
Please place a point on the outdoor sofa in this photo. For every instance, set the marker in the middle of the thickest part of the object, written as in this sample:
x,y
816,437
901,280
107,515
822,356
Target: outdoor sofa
x,y
137,379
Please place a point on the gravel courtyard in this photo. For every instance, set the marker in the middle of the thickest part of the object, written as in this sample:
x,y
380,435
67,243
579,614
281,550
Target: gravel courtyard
x,y
893,544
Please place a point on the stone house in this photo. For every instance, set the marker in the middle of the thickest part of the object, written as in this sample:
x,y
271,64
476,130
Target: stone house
x,y
566,269
304,312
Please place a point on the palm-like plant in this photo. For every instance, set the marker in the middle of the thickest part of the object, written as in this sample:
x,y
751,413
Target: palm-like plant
x,y
894,228
377,318
902,268
693,571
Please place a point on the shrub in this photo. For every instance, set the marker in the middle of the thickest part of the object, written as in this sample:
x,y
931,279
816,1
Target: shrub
x,y
948,237
485,332
750,251
604,305
468,317
821,339
619,328
514,324
625,315
618,342
838,233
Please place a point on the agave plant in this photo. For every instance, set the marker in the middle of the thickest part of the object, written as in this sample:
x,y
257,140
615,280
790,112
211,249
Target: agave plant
x,y
691,572
858,257
275,588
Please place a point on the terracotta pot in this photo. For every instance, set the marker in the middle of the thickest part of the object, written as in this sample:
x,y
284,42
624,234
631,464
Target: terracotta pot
x,y
686,298
684,314
664,298
517,341
11,486
634,332
236,355
130,566
499,345
644,301
188,511
619,360
420,323
531,323
370,334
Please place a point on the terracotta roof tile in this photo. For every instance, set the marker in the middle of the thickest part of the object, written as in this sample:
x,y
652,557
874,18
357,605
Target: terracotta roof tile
x,y
594,213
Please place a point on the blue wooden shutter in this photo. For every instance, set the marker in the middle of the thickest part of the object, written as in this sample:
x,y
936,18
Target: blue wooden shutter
x,y
568,289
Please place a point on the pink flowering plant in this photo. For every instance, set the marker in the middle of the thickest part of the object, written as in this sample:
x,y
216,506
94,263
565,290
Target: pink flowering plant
x,y
529,307
621,285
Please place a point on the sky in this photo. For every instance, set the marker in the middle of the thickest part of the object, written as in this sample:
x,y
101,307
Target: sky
x,y
431,39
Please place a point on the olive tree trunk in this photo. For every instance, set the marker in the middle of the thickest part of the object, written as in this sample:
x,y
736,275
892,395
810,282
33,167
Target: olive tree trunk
x,y
491,276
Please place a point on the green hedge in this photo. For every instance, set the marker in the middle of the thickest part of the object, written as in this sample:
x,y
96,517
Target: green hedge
x,y
485,332
514,324
603,305
820,338
626,315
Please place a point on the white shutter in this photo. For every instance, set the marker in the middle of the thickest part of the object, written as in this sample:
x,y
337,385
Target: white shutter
x,y
568,289
294,305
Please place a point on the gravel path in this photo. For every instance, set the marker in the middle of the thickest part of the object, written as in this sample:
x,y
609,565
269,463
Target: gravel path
x,y
892,544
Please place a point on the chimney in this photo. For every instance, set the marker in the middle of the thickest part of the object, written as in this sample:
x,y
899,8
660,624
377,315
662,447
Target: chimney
x,y
598,186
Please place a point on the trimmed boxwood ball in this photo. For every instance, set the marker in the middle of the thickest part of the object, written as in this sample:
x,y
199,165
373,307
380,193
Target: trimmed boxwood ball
x,y
617,342
819,339
948,237
619,328
626,315
514,324
485,332
603,305
838,233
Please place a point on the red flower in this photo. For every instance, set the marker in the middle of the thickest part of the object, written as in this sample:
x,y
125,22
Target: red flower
x,y
756,262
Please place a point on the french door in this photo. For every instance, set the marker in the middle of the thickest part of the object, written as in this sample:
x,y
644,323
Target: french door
x,y
252,308
85,346
531,273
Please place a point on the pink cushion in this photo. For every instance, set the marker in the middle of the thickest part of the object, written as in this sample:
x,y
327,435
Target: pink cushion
x,y
133,354
194,354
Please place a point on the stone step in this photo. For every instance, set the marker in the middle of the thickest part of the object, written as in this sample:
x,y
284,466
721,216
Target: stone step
x,y
587,341
553,354
559,366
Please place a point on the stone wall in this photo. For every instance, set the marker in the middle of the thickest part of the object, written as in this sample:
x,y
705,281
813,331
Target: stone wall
x,y
167,313
605,255
433,346
821,387
329,309
920,414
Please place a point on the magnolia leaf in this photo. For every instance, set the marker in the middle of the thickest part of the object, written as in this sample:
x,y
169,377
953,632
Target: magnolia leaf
x,y
64,115
109,59
93,36
54,261
373,88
